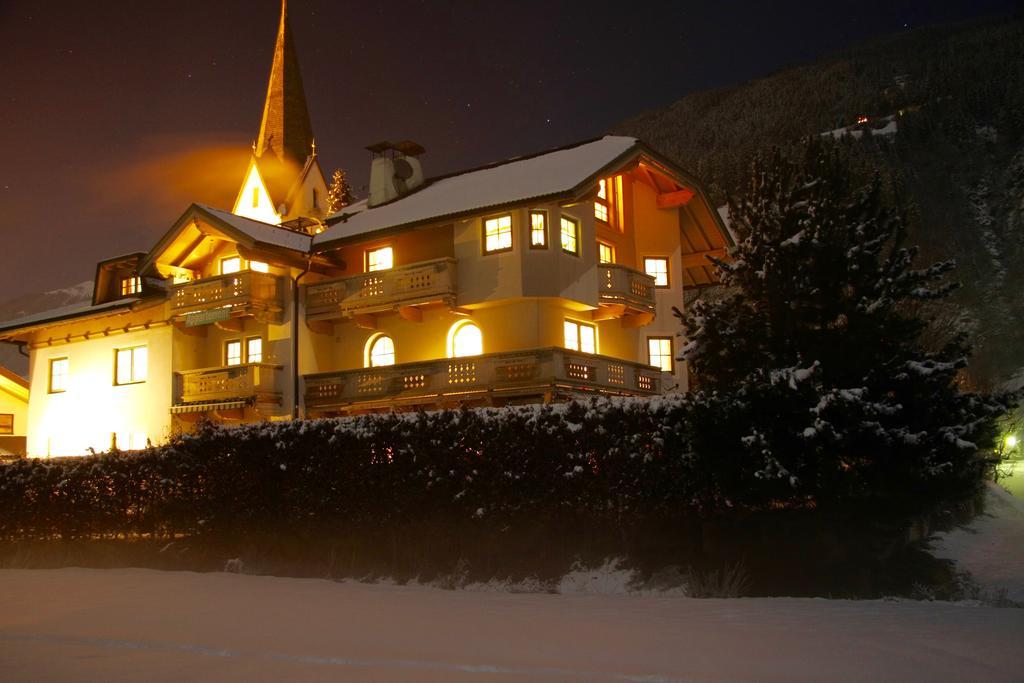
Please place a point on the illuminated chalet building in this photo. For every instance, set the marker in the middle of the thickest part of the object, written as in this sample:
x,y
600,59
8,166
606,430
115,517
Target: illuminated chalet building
x,y
539,278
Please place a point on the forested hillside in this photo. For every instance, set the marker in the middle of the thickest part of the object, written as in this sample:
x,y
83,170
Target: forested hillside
x,y
945,128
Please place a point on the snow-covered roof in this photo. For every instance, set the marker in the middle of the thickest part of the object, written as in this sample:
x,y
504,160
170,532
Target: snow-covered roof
x,y
516,180
261,232
64,313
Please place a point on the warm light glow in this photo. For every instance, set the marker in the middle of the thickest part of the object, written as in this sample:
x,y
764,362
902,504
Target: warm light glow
x,y
570,235
659,353
580,336
233,353
380,259
602,189
498,233
230,265
380,351
254,201
254,350
605,253
58,375
862,119
1011,441
259,266
465,339
658,269
131,365
130,285
538,229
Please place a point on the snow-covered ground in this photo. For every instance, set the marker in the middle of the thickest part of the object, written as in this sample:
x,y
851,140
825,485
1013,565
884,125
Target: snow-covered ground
x,y
991,546
133,625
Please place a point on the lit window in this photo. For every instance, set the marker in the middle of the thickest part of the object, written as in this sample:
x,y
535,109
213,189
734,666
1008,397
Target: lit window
x,y
255,197
6,423
232,264
380,259
465,339
316,199
570,235
130,285
233,353
538,229
659,352
58,375
259,266
380,351
605,253
580,336
498,234
131,365
254,350
658,269
605,201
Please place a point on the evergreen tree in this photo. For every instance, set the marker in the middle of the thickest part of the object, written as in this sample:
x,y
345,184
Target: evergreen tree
x,y
340,194
815,381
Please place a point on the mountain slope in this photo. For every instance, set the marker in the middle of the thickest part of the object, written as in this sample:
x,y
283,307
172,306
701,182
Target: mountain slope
x,y
27,304
950,104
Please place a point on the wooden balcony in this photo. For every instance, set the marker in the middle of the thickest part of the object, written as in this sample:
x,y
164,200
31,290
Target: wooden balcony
x,y
622,285
397,289
216,299
250,383
539,374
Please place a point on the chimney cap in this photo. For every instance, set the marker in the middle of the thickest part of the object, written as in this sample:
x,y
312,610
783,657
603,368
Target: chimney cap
x,y
406,147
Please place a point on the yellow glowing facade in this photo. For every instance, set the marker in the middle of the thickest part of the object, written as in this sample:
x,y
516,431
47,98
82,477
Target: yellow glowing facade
x,y
248,315
14,396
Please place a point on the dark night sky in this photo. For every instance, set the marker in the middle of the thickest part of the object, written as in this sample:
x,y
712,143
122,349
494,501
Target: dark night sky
x,y
117,114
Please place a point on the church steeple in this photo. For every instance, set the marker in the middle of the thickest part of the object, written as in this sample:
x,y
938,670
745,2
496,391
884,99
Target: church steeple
x,y
285,129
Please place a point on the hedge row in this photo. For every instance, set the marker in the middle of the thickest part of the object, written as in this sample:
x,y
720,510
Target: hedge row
x,y
608,456
614,457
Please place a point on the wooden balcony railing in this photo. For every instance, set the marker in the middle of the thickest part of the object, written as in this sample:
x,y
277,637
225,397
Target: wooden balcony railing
x,y
257,382
382,290
537,372
245,289
622,285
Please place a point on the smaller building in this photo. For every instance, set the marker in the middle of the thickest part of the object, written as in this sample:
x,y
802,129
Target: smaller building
x,y
13,414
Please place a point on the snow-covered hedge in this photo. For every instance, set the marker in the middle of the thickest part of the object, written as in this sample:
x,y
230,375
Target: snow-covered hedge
x,y
611,455
605,456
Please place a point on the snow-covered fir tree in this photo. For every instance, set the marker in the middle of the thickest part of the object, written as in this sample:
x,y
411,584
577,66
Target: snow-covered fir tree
x,y
340,193
814,380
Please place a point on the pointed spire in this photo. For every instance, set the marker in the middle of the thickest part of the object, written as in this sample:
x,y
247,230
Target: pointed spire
x,y
285,129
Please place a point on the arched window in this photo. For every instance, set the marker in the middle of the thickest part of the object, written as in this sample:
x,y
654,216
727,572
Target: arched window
x,y
380,351
465,339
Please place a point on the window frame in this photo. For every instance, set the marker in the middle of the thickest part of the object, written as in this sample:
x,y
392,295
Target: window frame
x,y
543,214
374,250
453,332
236,257
371,343
131,367
227,355
67,372
671,352
247,349
578,325
511,234
668,270
131,285
576,232
610,247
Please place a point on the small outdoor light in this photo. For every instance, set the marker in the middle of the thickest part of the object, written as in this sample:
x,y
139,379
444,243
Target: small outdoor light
x,y
1011,442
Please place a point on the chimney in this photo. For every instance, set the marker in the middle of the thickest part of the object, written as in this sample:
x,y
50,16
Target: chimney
x,y
395,171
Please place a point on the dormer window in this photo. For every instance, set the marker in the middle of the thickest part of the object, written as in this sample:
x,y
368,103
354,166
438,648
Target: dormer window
x,y
316,199
131,285
255,197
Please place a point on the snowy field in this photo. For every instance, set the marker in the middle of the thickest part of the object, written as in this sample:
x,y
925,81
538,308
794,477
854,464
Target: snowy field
x,y
991,546
142,625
